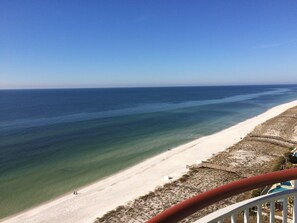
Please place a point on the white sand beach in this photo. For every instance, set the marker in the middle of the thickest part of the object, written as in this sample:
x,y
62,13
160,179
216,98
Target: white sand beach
x,y
98,198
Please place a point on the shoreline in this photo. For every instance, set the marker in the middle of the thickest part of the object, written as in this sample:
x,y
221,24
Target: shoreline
x,y
105,195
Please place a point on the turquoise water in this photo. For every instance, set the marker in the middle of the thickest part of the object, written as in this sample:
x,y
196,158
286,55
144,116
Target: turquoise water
x,y
55,141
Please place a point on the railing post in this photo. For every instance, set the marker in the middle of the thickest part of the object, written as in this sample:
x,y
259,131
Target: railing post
x,y
233,218
246,215
295,202
272,213
259,213
285,209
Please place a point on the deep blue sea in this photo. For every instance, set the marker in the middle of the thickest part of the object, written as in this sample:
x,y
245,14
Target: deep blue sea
x,y
55,141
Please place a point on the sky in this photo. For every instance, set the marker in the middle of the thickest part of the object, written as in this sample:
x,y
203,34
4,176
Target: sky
x,y
125,43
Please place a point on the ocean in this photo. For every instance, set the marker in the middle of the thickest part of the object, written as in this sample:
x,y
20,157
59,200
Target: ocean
x,y
55,141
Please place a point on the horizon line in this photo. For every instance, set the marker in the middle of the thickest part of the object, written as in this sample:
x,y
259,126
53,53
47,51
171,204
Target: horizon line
x,y
164,86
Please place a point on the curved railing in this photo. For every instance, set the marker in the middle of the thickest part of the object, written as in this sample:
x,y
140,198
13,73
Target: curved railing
x,y
242,209
196,203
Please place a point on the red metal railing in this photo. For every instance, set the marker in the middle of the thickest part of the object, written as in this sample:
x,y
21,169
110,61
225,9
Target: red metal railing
x,y
198,202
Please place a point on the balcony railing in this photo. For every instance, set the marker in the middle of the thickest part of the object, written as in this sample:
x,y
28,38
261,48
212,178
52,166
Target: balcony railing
x,y
196,203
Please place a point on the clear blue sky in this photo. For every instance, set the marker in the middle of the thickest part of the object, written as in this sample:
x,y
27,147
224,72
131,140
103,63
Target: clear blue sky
x,y
50,43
